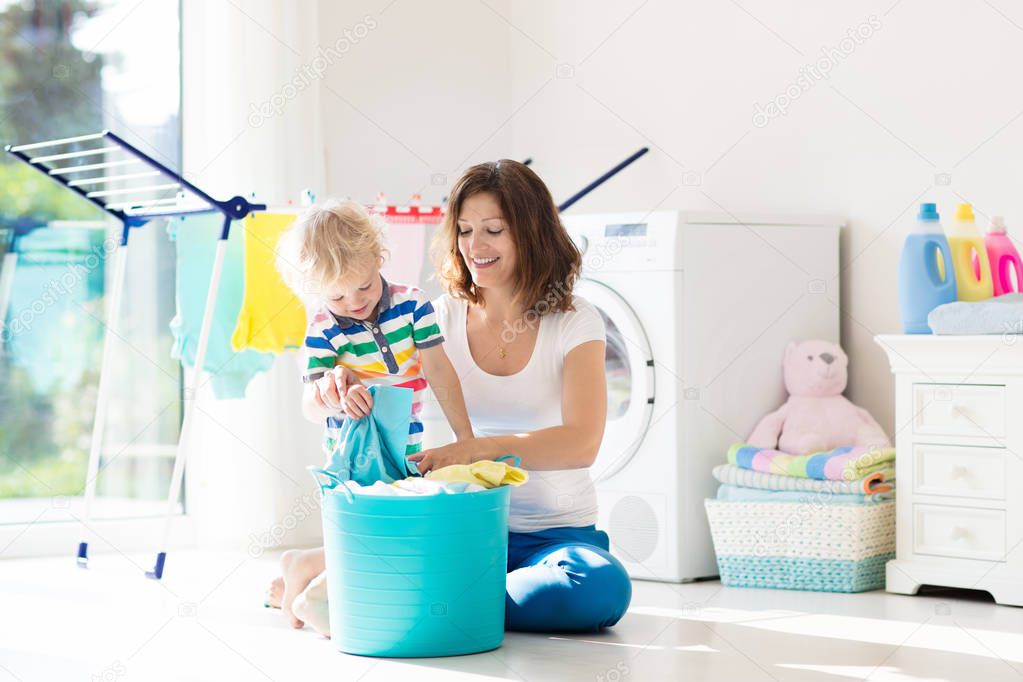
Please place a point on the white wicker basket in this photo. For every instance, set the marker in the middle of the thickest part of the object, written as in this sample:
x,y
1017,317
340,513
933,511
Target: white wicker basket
x,y
797,545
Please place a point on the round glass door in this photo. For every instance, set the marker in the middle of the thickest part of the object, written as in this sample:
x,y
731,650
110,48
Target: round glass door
x,y
628,366
617,370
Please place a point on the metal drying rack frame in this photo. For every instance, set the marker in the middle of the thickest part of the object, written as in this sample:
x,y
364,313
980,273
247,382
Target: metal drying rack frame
x,y
100,184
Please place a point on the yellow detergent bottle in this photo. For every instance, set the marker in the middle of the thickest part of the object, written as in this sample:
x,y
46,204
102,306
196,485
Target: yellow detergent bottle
x,y
966,243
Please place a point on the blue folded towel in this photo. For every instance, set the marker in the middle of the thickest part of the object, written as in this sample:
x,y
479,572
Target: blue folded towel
x,y
737,493
999,315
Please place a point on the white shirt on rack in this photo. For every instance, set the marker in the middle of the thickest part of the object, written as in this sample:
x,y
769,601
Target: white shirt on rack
x,y
527,401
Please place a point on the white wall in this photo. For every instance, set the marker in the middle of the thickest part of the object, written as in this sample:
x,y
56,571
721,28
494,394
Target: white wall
x,y
424,95
933,89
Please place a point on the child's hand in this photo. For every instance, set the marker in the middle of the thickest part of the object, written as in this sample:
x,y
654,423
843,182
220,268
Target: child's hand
x,y
358,402
326,393
344,378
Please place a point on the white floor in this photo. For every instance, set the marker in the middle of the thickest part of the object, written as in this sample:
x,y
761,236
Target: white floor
x,y
205,621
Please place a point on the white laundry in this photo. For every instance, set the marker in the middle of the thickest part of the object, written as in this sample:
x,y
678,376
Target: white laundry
x,y
411,487
425,486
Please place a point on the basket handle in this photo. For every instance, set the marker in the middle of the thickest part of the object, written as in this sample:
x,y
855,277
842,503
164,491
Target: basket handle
x,y
517,462
328,480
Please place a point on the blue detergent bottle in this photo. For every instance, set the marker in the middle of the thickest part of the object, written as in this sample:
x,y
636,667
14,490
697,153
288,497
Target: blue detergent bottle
x,y
926,279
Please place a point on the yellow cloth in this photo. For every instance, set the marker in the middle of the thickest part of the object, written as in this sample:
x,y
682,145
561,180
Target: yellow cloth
x,y
485,472
272,319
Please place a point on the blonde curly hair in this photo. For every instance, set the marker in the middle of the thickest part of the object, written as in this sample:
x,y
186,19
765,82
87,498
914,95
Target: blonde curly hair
x,y
330,244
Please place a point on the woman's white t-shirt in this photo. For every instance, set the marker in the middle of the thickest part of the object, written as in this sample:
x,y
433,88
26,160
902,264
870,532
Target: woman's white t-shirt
x,y
528,401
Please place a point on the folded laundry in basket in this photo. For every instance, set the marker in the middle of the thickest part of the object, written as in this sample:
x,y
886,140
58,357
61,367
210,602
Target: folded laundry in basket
x,y
999,315
411,487
372,449
487,473
735,493
874,482
840,464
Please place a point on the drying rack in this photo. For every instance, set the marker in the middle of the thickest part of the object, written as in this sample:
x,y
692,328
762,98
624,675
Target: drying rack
x,y
615,170
131,206
103,169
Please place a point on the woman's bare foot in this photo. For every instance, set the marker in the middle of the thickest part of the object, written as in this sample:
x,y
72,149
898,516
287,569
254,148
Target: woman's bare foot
x,y
299,567
274,593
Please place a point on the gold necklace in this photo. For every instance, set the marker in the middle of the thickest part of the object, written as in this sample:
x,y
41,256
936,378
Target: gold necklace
x,y
501,351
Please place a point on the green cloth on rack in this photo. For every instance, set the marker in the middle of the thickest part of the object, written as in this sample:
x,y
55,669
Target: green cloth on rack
x,y
196,237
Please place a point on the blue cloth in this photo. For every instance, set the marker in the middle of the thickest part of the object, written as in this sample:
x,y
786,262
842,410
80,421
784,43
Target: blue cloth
x,y
54,325
998,315
372,449
737,493
564,580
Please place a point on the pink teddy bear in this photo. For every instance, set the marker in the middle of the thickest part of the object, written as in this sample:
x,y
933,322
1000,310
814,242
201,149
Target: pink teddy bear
x,y
816,417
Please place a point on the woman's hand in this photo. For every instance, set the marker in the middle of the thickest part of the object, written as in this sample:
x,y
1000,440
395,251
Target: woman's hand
x,y
446,455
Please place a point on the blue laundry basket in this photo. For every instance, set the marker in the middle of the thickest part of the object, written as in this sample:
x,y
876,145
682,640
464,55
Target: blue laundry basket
x,y
415,576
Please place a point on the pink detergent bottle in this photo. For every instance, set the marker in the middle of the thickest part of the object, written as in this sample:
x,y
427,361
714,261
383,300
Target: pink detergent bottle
x,y
1003,257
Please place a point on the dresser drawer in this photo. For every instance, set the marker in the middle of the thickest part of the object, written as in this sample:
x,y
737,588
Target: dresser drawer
x,y
959,410
959,532
959,471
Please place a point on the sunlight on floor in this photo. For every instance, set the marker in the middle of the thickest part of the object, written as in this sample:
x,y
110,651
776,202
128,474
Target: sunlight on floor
x,y
986,642
114,624
862,672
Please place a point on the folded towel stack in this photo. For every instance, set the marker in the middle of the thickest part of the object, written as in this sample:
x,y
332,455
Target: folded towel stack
x,y
823,521
841,476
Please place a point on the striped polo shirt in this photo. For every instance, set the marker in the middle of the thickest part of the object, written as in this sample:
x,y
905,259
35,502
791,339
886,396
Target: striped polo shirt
x,y
380,351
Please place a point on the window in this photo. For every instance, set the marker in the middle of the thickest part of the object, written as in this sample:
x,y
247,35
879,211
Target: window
x,y
69,68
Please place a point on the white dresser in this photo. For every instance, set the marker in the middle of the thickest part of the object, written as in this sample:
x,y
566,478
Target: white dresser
x,y
959,469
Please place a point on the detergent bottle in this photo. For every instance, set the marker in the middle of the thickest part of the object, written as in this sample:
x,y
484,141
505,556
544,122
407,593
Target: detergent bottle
x,y
925,277
966,244
1003,258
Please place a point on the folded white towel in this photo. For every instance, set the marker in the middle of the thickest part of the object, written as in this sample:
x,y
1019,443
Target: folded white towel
x,y
998,315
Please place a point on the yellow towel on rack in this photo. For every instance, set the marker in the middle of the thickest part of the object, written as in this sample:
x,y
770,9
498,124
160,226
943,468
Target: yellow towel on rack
x,y
485,472
272,318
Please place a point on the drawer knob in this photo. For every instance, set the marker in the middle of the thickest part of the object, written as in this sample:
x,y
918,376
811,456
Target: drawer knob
x,y
960,534
959,471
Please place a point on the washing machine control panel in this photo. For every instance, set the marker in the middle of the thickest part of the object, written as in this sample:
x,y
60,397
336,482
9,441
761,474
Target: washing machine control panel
x,y
625,229
626,241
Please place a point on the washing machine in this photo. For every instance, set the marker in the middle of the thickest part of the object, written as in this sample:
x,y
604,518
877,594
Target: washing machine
x,y
698,309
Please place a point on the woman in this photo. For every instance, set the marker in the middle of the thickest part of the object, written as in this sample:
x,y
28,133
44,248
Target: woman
x,y
530,357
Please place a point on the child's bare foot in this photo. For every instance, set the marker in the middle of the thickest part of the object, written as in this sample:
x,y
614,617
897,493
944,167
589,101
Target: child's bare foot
x,y
299,567
311,605
274,593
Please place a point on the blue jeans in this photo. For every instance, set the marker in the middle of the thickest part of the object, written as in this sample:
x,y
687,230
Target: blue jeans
x,y
564,580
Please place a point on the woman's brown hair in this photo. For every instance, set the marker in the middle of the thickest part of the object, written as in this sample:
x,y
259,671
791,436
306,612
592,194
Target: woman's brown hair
x,y
548,261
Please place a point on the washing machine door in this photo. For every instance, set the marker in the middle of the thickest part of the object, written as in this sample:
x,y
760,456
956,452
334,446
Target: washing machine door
x,y
629,367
